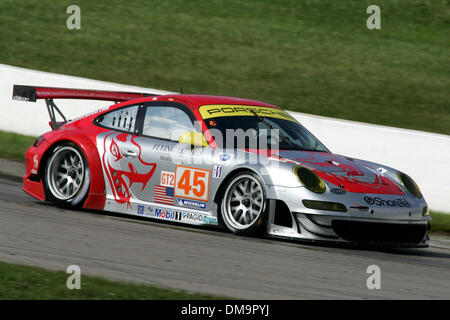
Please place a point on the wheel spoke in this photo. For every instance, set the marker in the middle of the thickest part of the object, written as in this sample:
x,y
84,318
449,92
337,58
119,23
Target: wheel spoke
x,y
247,218
237,195
234,208
253,187
246,184
63,184
257,193
243,217
238,213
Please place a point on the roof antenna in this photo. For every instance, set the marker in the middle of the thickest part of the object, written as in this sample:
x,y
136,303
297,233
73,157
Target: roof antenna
x,y
181,90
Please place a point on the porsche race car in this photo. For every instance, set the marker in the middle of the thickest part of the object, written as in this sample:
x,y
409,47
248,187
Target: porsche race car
x,y
244,165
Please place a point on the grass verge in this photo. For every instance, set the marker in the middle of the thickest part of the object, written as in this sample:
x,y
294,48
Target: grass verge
x,y
440,222
313,56
19,282
13,145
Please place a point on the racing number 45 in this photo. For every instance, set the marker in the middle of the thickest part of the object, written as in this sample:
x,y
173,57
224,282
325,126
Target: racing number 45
x,y
191,183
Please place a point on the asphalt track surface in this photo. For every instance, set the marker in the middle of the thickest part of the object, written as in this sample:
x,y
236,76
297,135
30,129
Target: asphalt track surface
x,y
208,260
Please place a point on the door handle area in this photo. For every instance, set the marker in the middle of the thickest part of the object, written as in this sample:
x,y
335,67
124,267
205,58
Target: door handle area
x,y
129,153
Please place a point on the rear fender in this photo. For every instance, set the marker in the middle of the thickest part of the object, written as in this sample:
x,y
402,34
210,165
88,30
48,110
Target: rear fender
x,y
96,197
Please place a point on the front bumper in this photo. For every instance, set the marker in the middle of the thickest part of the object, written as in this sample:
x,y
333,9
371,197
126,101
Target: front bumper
x,y
398,221
339,229
32,182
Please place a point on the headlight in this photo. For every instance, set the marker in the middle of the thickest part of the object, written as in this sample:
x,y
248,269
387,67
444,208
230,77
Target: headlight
x,y
38,141
409,184
310,180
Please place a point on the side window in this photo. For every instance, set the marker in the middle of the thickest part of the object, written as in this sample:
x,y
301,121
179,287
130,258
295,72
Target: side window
x,y
122,119
166,122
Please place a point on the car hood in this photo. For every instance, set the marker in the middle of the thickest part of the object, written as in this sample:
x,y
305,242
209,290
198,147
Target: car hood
x,y
350,174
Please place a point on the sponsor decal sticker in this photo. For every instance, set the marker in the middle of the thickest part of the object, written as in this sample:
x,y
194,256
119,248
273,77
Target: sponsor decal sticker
x,y
167,179
35,161
401,203
35,164
164,195
140,209
282,231
178,215
209,220
192,183
20,98
192,203
224,157
168,214
175,150
337,191
217,171
213,111
199,218
193,216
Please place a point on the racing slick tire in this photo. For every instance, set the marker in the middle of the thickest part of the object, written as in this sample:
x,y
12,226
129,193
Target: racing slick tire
x,y
244,205
67,176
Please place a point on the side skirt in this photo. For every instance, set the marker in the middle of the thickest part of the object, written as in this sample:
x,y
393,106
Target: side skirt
x,y
162,212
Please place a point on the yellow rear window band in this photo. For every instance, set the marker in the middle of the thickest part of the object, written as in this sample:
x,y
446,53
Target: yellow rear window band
x,y
214,111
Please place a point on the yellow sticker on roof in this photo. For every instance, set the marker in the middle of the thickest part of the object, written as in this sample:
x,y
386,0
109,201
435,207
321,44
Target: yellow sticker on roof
x,y
226,110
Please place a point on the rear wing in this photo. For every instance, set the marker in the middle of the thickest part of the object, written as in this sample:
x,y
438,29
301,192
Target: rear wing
x,y
32,94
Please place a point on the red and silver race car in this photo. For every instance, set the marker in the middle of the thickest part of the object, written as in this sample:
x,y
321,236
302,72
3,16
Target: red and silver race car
x,y
245,165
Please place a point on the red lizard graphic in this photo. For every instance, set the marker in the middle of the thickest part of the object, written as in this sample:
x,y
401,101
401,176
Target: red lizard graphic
x,y
121,186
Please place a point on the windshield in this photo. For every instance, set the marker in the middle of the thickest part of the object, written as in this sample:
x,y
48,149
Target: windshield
x,y
273,126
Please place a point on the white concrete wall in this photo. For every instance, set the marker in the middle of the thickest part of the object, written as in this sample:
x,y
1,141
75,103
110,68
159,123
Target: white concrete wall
x,y
32,118
424,156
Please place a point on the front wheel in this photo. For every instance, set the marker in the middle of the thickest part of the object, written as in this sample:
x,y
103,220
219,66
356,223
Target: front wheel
x,y
244,208
67,176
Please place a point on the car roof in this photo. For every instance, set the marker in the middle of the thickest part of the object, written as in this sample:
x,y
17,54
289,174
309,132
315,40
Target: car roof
x,y
194,101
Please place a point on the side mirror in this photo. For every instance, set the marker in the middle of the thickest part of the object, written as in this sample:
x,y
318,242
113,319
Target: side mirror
x,y
193,138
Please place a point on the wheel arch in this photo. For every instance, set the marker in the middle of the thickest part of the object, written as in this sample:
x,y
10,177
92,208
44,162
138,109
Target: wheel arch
x,y
230,175
283,216
96,195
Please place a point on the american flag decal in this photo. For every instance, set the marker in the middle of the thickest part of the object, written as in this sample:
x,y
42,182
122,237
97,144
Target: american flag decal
x,y
164,195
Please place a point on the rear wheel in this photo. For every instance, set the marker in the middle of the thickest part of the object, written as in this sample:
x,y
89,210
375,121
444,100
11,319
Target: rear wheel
x,y
244,207
67,176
